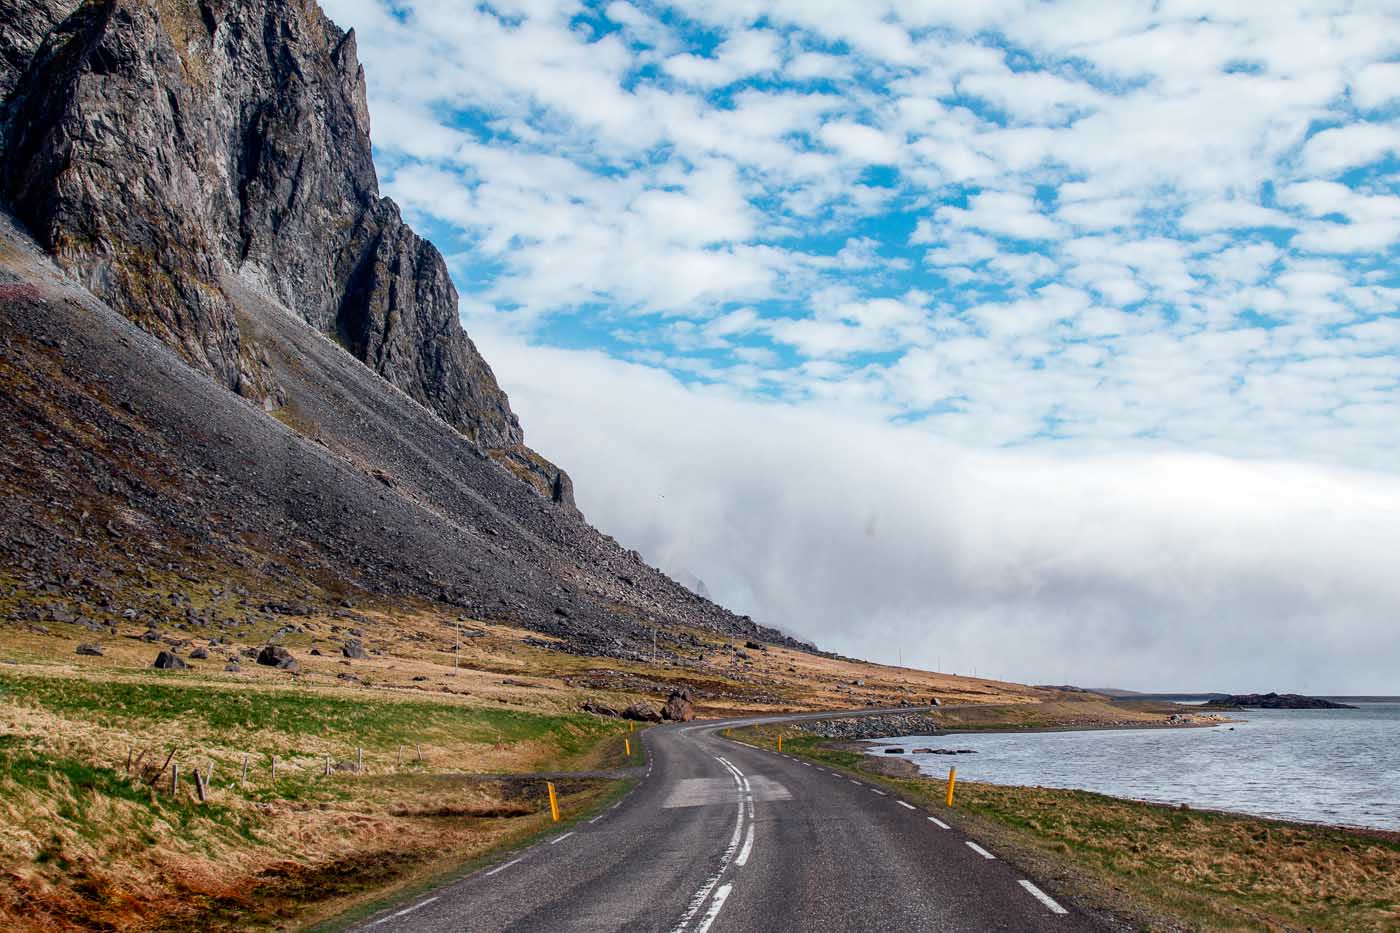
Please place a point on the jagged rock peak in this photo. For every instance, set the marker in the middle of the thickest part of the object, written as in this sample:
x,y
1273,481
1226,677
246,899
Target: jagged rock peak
x,y
160,147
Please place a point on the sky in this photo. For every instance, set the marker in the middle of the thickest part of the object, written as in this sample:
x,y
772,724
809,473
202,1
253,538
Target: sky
x,y
1056,342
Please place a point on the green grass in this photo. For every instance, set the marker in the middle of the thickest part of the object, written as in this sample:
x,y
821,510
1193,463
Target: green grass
x,y
220,714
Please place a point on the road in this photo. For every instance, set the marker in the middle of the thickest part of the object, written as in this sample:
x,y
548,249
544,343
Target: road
x,y
718,837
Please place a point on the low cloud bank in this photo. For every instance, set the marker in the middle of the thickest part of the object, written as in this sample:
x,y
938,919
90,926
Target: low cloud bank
x,y
1147,570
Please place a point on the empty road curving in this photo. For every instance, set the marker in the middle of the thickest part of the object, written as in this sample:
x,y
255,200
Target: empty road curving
x,y
720,837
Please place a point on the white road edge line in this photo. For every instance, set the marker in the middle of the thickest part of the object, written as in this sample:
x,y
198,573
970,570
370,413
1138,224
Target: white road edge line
x,y
406,910
561,838
979,850
908,806
500,868
1044,898
715,906
880,792
939,823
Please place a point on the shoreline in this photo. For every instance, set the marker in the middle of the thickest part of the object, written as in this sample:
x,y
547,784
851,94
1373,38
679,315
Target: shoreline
x,y
866,749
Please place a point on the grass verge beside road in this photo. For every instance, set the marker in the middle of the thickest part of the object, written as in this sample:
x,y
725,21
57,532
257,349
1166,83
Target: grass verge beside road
x,y
93,837
1159,867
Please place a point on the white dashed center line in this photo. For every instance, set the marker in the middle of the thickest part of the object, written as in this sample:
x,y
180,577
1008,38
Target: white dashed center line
x,y
406,910
561,838
939,823
1044,898
505,866
721,895
979,850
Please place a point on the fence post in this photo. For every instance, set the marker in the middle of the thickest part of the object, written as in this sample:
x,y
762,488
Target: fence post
x,y
175,779
199,786
274,769
398,761
243,778
627,744
420,753
553,801
952,779
359,760
328,766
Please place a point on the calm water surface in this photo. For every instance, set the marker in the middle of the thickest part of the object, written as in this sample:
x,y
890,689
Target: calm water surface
x,y
1327,766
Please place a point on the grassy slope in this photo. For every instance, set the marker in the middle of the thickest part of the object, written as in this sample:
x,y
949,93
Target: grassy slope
x,y
1162,866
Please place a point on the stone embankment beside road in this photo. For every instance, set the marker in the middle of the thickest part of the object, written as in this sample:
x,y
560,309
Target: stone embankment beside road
x,y
873,727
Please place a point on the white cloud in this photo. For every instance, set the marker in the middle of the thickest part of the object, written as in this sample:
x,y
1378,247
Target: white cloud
x,y
1347,146
1154,569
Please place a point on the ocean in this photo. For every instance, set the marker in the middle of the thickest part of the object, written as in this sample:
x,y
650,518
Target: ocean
x,y
1321,766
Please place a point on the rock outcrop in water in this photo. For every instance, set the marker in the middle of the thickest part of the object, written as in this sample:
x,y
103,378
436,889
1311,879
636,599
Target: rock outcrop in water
x,y
1275,701
160,148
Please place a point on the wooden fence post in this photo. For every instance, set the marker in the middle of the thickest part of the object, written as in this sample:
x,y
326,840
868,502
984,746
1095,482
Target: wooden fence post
x,y
199,786
175,779
243,778
359,760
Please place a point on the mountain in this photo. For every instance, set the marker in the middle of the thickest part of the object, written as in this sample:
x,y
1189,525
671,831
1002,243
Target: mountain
x,y
228,364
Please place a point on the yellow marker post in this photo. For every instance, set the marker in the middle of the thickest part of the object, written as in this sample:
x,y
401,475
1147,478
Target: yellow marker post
x,y
631,725
952,779
553,802
627,744
780,743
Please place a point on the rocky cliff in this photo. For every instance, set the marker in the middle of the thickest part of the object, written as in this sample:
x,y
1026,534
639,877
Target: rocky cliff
x,y
159,148
232,383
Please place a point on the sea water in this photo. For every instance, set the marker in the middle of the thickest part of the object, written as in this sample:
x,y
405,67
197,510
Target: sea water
x,y
1323,766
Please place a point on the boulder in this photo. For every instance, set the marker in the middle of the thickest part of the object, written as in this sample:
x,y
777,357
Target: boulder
x,y
354,649
641,712
599,709
168,661
91,649
232,667
278,657
199,654
678,708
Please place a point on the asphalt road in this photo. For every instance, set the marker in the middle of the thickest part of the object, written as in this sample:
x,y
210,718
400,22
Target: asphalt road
x,y
721,837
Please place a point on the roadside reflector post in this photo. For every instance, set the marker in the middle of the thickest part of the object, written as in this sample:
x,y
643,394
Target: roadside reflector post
x,y
631,725
952,779
553,801
627,744
780,743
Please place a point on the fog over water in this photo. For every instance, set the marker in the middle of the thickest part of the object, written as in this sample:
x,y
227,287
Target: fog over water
x,y
1150,568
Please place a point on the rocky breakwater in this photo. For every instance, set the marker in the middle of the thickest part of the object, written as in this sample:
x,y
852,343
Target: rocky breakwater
x,y
882,726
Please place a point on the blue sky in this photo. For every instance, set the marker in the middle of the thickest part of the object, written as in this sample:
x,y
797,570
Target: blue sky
x,y
1017,248
1011,222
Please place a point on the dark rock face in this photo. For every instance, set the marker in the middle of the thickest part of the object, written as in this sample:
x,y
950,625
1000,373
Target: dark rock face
x,y
678,707
1276,701
199,654
354,649
168,661
161,149
152,147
